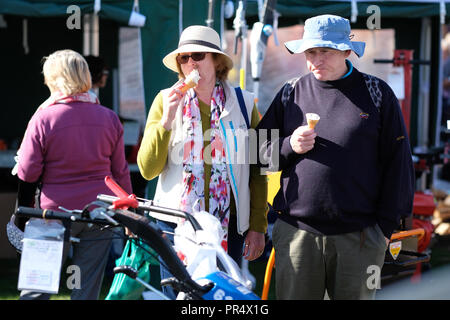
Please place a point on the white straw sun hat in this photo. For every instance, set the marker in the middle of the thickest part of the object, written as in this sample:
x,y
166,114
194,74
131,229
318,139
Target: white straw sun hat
x,y
196,39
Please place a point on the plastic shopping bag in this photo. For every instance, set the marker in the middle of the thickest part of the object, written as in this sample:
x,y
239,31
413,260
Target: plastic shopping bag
x,y
199,259
124,287
201,250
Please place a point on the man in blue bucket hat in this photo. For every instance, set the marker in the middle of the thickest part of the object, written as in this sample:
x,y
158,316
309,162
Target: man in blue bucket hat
x,y
346,179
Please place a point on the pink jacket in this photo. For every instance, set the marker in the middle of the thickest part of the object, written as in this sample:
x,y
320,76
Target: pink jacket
x,y
70,148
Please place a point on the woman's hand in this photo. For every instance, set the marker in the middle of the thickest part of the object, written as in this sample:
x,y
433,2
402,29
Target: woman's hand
x,y
170,108
254,245
130,234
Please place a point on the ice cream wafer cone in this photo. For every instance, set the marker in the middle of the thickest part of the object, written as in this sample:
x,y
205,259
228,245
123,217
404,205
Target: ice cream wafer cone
x,y
312,119
190,82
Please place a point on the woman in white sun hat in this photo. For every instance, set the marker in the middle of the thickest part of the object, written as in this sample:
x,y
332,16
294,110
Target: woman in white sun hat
x,y
191,143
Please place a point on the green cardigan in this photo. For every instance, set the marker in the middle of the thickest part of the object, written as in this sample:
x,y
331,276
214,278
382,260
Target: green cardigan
x,y
156,145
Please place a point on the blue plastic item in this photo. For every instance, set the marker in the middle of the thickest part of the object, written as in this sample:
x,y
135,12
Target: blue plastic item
x,y
226,288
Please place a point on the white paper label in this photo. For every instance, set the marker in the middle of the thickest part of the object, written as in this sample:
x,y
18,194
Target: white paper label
x,y
40,265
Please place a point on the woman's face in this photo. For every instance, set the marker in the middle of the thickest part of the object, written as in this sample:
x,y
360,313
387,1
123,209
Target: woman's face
x,y
206,68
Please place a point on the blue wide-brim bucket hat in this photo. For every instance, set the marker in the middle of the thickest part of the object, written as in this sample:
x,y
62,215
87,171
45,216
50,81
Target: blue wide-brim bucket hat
x,y
327,31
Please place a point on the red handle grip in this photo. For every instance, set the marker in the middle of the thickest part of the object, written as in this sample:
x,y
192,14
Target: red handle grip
x,y
114,187
126,200
125,203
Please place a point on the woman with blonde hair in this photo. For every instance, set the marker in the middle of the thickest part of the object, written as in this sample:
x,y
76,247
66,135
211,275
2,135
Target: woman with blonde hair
x,y
203,122
70,145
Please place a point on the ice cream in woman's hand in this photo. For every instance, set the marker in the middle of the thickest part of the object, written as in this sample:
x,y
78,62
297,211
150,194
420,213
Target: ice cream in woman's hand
x,y
190,82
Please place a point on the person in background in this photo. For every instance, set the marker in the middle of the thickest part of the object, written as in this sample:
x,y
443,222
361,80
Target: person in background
x,y
71,143
445,45
202,122
99,75
99,71
346,182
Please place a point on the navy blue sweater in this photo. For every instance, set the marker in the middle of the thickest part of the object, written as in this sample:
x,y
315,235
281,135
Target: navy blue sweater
x,y
360,170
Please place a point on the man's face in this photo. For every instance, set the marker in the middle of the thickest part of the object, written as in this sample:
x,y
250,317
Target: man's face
x,y
326,64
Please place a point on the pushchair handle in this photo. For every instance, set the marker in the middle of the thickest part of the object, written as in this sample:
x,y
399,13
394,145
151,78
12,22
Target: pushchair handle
x,y
126,200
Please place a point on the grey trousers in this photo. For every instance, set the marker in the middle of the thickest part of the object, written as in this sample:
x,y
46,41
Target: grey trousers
x,y
307,264
90,256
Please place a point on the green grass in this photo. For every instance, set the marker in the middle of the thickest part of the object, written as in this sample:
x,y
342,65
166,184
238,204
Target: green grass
x,y
9,272
258,270
441,252
9,275
8,279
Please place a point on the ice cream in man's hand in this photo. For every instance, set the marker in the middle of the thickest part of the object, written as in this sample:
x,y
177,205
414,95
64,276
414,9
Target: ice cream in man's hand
x,y
312,119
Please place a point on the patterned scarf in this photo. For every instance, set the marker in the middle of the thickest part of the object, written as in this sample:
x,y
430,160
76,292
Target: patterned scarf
x,y
59,97
193,165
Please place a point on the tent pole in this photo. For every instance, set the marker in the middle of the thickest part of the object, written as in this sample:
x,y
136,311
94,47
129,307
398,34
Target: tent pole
x,y
210,20
91,35
423,124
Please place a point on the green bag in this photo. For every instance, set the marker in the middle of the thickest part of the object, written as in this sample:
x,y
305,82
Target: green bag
x,y
124,287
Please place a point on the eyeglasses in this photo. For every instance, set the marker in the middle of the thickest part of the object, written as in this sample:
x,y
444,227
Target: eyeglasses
x,y
196,56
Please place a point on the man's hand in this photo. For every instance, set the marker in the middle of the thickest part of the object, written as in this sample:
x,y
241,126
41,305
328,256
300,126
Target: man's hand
x,y
387,241
302,139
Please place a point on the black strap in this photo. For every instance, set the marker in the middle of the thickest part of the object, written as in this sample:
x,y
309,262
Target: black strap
x,y
199,42
26,197
242,105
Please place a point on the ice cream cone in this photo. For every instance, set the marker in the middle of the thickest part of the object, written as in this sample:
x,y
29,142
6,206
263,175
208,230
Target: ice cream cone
x,y
190,82
312,119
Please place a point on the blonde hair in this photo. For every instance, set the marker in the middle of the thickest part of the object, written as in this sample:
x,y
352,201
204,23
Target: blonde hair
x,y
66,71
221,66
